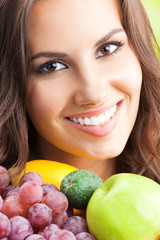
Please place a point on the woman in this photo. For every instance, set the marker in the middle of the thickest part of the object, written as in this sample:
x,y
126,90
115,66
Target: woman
x,y
82,81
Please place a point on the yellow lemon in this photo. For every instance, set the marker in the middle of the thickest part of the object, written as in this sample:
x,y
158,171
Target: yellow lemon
x,y
50,171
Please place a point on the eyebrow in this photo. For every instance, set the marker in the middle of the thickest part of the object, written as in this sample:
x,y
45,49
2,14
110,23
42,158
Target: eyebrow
x,y
109,35
49,55
59,54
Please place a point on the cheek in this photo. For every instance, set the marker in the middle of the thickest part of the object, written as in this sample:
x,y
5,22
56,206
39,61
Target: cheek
x,y
36,101
130,76
42,99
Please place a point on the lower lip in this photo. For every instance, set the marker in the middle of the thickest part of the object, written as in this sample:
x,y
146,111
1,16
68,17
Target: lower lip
x,y
102,130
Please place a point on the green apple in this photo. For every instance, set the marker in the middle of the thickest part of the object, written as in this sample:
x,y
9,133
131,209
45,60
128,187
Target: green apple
x,y
153,10
125,207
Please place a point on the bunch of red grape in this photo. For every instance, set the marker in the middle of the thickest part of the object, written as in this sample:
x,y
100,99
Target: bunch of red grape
x,y
37,211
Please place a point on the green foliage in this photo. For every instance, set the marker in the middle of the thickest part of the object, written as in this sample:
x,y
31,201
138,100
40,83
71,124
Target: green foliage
x,y
153,9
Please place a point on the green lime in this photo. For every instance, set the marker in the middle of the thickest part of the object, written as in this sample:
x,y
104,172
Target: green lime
x,y
78,186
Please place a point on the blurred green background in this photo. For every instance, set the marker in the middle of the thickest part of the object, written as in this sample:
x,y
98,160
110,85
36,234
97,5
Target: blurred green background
x,y
153,9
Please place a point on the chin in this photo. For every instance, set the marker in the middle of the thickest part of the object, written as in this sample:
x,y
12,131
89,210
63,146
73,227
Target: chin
x,y
106,153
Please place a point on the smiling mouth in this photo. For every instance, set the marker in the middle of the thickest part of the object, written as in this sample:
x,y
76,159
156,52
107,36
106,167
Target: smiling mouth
x,y
96,120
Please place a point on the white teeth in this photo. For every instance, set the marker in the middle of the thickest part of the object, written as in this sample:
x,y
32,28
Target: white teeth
x,y
101,119
112,111
81,121
75,120
87,121
107,116
96,121
115,108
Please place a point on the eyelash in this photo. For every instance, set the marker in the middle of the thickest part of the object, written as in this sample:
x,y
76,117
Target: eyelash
x,y
42,69
117,44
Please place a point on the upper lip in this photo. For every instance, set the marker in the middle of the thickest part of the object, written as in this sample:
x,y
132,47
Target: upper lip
x,y
94,112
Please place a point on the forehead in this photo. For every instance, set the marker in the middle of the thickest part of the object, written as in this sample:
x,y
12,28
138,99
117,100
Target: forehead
x,y
58,20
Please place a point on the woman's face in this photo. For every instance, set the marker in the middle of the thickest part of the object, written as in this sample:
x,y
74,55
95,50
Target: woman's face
x,y
85,80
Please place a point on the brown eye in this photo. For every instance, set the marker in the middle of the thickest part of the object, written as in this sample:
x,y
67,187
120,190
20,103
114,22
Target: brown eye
x,y
51,67
107,50
54,66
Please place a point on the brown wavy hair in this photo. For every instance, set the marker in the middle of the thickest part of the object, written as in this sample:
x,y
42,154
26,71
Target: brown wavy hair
x,y
142,152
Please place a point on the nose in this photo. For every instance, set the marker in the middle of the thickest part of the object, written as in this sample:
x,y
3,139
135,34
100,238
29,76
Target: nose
x,y
91,88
